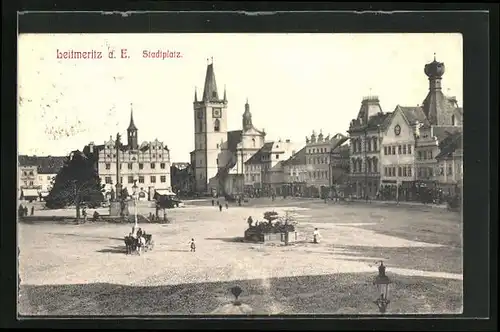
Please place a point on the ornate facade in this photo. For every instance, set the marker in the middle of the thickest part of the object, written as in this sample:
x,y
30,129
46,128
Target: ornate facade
x,y
414,136
318,167
146,164
366,133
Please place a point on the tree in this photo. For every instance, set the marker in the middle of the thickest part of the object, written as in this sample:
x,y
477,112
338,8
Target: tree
x,y
77,182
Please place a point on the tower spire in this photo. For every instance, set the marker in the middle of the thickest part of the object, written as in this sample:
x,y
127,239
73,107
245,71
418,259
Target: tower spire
x,y
210,90
195,94
131,126
247,117
225,97
132,131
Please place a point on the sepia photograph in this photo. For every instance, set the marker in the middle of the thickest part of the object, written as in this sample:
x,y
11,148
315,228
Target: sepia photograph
x,y
166,174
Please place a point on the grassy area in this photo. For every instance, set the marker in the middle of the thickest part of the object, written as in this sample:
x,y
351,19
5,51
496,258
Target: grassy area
x,y
443,259
327,294
440,227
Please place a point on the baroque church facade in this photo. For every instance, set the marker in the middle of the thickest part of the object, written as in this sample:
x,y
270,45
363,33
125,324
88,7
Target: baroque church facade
x,y
219,156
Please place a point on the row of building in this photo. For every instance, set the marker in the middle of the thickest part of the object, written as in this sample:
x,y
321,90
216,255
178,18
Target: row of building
x,y
389,153
384,153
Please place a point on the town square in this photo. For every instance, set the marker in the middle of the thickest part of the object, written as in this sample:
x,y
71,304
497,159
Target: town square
x,y
83,269
255,188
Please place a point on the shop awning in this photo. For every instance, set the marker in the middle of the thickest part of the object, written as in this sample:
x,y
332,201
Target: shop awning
x,y
164,192
30,192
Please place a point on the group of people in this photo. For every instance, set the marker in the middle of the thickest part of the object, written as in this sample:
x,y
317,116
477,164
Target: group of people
x,y
22,211
219,205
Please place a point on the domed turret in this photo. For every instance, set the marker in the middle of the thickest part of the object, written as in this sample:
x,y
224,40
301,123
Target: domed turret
x,y
313,137
434,69
247,117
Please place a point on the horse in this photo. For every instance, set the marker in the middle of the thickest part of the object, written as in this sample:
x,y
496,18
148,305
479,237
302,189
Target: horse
x,y
131,244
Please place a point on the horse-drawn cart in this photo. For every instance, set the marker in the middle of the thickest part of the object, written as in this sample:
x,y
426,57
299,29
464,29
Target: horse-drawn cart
x,y
136,245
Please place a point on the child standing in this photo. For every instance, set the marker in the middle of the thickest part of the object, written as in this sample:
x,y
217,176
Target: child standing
x,y
192,245
316,236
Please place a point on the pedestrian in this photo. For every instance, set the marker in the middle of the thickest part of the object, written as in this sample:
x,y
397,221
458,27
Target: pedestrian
x,y
192,245
316,236
220,207
218,203
227,206
20,211
32,210
25,211
84,213
213,202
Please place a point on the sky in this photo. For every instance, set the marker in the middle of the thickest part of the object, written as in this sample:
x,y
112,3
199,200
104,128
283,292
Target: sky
x,y
295,83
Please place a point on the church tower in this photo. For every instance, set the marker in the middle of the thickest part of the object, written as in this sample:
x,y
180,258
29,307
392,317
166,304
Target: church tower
x,y
132,132
436,105
247,118
210,130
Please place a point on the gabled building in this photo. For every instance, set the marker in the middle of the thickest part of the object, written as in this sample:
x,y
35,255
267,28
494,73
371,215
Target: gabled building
x,y
317,168
147,165
444,117
413,138
36,174
450,172
264,170
365,134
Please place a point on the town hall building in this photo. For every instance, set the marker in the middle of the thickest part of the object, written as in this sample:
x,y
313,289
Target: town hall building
x,y
147,165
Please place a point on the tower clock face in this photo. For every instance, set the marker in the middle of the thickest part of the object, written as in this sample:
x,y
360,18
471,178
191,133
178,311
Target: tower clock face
x,y
199,114
216,112
397,130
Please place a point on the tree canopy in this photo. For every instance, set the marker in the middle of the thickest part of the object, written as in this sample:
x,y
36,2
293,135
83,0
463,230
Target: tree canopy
x,y
77,182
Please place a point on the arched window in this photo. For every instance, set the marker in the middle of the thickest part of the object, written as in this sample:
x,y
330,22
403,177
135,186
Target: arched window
x,y
217,125
359,146
453,120
375,165
368,165
253,142
374,144
368,145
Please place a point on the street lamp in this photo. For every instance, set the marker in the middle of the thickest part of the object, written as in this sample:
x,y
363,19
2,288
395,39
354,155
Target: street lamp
x,y
382,282
134,191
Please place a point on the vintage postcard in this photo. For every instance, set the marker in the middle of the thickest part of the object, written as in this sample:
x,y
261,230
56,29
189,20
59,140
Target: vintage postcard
x,y
255,174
